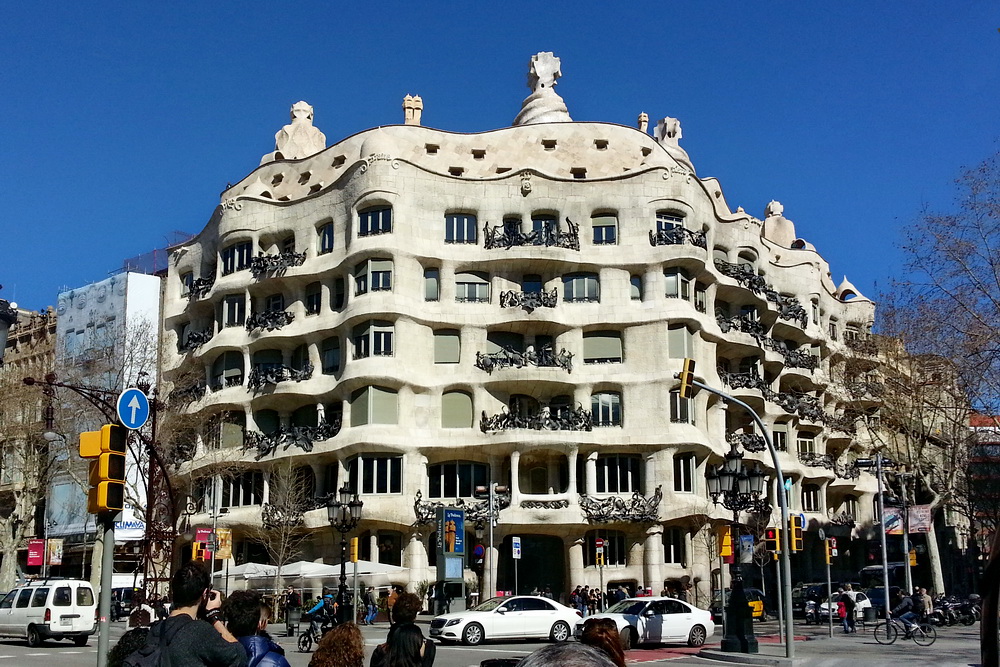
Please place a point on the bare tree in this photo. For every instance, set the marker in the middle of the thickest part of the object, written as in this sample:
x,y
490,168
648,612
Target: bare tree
x,y
282,531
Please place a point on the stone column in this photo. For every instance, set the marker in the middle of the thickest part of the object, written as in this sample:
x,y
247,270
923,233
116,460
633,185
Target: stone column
x,y
577,572
208,376
373,545
652,558
415,558
515,489
590,483
571,458
653,284
649,474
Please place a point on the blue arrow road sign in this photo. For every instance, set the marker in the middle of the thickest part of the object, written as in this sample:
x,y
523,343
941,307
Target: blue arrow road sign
x,y
133,408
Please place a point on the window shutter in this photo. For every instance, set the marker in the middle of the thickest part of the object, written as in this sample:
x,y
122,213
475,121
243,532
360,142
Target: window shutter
x,y
456,410
431,285
602,345
360,400
383,403
447,347
380,265
678,342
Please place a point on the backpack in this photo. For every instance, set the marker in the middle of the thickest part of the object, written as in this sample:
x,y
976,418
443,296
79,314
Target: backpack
x,y
329,606
152,654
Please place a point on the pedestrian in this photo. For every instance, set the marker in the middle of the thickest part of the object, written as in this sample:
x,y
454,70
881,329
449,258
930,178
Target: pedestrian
x,y
341,647
292,606
592,602
391,601
194,633
847,596
602,634
127,644
547,593
371,604
928,603
246,617
404,647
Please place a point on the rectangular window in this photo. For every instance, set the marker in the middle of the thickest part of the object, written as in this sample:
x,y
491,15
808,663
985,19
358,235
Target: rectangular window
x,y
815,313
369,475
375,275
325,238
187,281
373,338
779,436
583,287
236,257
460,228
457,479
314,299
375,221
684,468
673,546
330,353
680,408
431,284
471,288
545,227
666,221
606,409
605,229
274,303
339,295
833,330
680,342
618,474
243,490
806,443
678,284
602,347
234,308
700,298
447,347
810,498
373,405
635,288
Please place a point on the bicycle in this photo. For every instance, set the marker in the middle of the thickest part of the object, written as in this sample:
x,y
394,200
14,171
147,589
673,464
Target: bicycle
x,y
922,633
307,638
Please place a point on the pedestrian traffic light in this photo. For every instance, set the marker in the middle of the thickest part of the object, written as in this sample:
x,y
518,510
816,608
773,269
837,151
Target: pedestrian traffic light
x,y
913,557
107,469
354,550
772,540
687,379
725,541
795,526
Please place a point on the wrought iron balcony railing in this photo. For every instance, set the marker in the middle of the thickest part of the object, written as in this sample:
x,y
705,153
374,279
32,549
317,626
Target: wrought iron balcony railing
x,y
844,519
200,287
502,236
745,323
263,266
804,405
546,357
748,380
862,345
269,320
529,301
196,339
189,394
560,418
615,509
751,442
789,307
303,437
425,511
562,503
864,387
264,375
841,470
749,324
678,236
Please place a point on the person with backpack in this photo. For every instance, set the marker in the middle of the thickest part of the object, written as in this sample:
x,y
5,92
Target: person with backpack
x,y
194,634
324,612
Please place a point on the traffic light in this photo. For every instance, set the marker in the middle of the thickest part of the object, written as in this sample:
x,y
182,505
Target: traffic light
x,y
795,525
200,552
831,549
687,379
725,541
913,557
107,469
600,559
354,550
772,540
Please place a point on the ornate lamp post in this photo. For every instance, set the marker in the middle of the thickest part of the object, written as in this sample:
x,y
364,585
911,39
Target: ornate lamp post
x,y
344,514
738,488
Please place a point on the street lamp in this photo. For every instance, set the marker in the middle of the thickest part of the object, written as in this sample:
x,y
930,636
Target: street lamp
x,y
737,487
344,513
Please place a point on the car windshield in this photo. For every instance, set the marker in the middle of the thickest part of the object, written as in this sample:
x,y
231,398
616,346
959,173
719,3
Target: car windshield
x,y
627,607
490,604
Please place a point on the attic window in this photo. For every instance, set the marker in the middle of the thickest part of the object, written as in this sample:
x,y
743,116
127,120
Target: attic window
x,y
478,153
549,144
304,178
646,152
601,144
278,178
315,188
456,171
579,172
431,149
338,162
285,198
266,194
503,170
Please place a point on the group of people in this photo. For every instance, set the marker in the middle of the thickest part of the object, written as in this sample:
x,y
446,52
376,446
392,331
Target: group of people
x,y
586,600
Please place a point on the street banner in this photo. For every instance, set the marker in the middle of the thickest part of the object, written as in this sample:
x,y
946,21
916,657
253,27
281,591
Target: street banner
x,y
36,552
920,519
225,547
55,551
129,527
202,534
892,519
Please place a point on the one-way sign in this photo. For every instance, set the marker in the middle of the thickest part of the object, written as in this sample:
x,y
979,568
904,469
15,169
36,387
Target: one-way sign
x,y
133,408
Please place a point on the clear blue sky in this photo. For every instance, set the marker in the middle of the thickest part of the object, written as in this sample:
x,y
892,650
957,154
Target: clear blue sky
x,y
123,121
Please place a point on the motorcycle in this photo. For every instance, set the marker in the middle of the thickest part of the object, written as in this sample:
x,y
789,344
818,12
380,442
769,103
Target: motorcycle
x,y
812,614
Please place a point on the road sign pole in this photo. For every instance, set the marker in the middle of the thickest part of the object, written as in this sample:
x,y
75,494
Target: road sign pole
x,y
104,599
829,591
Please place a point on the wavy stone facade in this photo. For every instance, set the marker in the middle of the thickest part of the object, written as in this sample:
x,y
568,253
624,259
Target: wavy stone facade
x,y
433,310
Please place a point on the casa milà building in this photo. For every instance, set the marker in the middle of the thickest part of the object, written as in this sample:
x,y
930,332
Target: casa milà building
x,y
414,312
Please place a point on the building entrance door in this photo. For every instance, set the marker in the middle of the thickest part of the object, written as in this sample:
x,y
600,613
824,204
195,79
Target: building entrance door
x,y
543,563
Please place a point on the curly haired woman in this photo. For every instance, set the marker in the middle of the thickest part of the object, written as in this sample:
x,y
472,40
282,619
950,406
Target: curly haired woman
x,y
343,646
602,634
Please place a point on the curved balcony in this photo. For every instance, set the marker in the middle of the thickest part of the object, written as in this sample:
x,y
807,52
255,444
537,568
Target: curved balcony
x,y
196,339
267,266
200,287
425,511
263,375
303,437
561,418
678,236
269,320
505,237
788,307
750,442
615,509
529,301
508,357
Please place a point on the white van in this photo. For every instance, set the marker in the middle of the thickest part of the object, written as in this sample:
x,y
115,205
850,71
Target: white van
x,y
50,609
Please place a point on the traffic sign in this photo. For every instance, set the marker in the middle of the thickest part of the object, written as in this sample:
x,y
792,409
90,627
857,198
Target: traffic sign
x,y
599,542
133,408
833,547
516,544
821,534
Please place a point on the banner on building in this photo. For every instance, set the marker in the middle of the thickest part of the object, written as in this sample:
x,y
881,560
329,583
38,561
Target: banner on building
x,y
225,539
55,551
919,519
36,553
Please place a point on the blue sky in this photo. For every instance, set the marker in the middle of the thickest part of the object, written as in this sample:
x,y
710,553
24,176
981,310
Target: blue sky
x,y
124,121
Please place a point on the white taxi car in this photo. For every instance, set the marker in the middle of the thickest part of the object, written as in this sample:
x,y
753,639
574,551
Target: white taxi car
x,y
656,620
517,617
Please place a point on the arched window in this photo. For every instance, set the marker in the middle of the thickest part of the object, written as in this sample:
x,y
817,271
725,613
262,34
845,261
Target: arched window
x,y
460,228
226,430
472,287
268,421
456,410
307,415
447,346
606,408
810,498
227,371
376,220
314,298
614,547
581,287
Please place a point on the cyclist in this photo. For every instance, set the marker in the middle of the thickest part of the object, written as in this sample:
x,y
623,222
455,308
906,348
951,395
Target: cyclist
x,y
905,611
322,614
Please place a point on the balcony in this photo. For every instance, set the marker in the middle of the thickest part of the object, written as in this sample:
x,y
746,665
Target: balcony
x,y
196,339
860,388
200,287
186,395
862,344
529,301
302,437
788,307
508,357
559,418
749,380
678,236
264,375
269,320
841,470
615,509
475,512
746,323
751,442
544,504
265,266
502,236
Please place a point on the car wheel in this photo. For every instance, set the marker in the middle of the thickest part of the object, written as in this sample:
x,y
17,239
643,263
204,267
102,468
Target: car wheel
x,y
473,634
560,632
697,636
34,638
628,638
81,640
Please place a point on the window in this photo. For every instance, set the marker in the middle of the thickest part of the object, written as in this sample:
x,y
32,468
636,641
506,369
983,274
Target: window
x,y
274,302
300,357
545,227
460,228
498,341
325,234
851,506
236,257
673,546
605,229
456,479
667,220
531,282
432,280
227,371
314,298
330,355
339,295
635,287
806,443
815,313
375,221
680,342
456,410
511,226
447,346
684,468
810,497
678,284
187,281
602,347
63,597
288,244
234,310
779,436
243,489
226,429
373,405
606,409
681,411
375,474
614,547
619,474
373,338
472,288
38,599
84,597
581,287
700,298
375,275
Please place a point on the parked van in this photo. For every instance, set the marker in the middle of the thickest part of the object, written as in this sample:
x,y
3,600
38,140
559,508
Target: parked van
x,y
50,609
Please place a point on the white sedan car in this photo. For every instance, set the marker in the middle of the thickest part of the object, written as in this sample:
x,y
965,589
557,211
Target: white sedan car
x,y
658,620
518,617
861,602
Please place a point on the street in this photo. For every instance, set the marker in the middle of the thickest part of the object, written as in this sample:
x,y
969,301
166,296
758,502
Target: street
x,y
955,646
